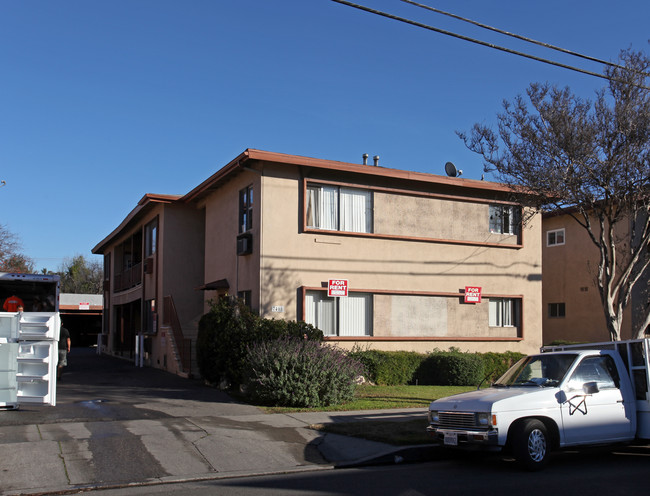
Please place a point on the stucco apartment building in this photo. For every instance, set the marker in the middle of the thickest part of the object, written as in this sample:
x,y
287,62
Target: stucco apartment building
x,y
428,261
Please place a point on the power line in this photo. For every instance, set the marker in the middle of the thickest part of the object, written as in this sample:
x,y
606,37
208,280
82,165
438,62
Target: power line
x,y
514,35
479,42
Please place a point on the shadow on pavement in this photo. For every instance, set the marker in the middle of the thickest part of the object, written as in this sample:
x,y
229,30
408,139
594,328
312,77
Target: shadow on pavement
x,y
95,387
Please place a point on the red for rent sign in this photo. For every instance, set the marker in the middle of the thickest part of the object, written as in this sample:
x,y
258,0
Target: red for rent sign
x,y
337,287
472,294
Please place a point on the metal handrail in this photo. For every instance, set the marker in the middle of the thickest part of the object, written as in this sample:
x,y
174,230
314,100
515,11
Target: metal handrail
x,y
183,344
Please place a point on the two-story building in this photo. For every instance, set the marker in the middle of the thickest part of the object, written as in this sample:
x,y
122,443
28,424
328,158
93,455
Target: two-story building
x,y
427,261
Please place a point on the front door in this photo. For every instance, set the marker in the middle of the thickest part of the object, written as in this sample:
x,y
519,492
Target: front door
x,y
591,416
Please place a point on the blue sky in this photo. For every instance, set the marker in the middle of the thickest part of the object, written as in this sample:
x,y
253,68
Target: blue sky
x,y
103,101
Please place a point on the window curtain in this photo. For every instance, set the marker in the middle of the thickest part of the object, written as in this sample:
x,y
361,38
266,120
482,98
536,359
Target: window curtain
x,y
356,209
355,315
313,207
328,208
502,312
320,311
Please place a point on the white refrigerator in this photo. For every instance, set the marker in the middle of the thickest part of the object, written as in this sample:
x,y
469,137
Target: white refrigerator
x,y
28,358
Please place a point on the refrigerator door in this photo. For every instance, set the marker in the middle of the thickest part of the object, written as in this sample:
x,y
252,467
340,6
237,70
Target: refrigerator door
x,y
8,326
39,326
8,384
36,372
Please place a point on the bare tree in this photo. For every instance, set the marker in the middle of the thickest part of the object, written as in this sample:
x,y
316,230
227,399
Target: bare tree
x,y
590,160
11,260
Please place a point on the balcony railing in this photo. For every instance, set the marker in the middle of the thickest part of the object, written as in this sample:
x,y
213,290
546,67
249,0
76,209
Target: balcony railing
x,y
129,278
183,344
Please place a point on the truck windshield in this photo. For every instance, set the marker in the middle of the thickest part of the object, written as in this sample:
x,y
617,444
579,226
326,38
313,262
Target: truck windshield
x,y
537,370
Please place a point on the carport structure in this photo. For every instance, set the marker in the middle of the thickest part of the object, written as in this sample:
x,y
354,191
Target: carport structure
x,y
81,314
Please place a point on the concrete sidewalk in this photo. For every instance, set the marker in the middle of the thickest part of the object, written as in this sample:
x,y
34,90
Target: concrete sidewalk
x,y
116,425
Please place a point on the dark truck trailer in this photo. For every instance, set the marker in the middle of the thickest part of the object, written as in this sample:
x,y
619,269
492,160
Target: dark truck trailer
x,y
38,292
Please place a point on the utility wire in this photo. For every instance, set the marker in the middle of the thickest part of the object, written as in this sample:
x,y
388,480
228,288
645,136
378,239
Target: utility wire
x,y
479,42
514,35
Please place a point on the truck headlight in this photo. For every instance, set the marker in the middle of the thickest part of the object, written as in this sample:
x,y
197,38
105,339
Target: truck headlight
x,y
483,419
433,417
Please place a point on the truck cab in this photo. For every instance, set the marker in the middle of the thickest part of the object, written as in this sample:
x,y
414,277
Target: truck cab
x,y
559,398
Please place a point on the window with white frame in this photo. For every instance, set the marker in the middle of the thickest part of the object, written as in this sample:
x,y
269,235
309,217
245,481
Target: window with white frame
x,y
504,312
555,237
336,208
504,219
344,316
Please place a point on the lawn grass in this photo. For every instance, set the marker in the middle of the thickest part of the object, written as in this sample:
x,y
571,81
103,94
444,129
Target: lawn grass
x,y
383,397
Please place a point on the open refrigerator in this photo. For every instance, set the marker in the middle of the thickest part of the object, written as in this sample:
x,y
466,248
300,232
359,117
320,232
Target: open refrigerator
x,y
28,358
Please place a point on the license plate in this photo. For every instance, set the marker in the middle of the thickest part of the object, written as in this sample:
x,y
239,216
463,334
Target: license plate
x,y
451,439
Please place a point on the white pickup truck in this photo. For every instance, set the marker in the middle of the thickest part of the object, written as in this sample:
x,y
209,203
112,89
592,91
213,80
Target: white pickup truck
x,y
565,396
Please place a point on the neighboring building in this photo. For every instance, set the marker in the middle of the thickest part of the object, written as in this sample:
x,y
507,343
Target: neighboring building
x,y
81,314
275,228
573,310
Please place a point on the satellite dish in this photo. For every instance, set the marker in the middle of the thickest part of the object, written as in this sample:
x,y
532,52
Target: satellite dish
x,y
452,171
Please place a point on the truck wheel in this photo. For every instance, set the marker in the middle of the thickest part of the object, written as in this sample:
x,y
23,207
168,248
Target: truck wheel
x,y
531,444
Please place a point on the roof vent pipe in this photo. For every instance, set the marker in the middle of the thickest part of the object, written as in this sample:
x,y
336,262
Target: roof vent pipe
x,y
376,159
365,159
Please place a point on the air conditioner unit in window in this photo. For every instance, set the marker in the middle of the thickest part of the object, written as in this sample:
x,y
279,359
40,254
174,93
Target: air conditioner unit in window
x,y
245,244
148,265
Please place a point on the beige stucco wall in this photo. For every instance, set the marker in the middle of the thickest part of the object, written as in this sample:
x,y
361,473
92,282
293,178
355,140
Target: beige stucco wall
x,y
221,231
422,217
291,259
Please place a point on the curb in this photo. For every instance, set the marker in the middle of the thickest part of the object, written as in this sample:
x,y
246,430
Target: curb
x,y
407,454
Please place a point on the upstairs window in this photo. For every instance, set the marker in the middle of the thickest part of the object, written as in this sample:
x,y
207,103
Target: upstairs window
x,y
246,209
556,310
335,208
504,219
555,237
150,237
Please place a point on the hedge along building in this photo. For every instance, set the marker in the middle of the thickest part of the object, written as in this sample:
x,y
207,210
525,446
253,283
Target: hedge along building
x,y
428,261
409,247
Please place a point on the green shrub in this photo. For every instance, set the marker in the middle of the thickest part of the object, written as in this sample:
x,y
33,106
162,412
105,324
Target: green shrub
x,y
451,368
270,329
300,373
389,368
496,364
226,332
224,335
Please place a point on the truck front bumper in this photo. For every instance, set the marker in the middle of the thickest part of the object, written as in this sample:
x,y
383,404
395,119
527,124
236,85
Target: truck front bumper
x,y
485,439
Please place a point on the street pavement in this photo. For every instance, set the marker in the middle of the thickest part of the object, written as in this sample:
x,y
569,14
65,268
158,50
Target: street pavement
x,y
117,425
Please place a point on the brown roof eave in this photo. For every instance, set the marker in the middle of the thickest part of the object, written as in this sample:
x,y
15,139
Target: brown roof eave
x,y
217,178
143,205
259,155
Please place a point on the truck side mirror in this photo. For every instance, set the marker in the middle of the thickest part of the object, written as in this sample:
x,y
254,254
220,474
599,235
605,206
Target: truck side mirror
x,y
590,387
